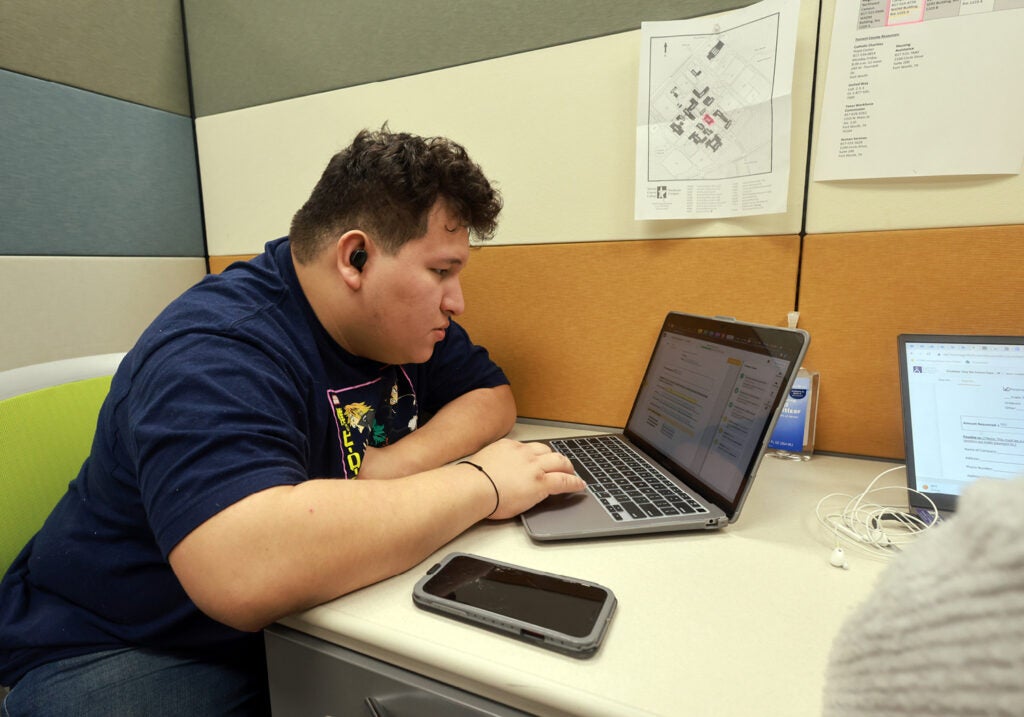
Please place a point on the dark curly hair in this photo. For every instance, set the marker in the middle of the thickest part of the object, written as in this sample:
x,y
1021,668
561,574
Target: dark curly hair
x,y
385,183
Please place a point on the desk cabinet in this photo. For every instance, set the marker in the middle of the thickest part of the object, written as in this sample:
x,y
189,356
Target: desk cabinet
x,y
309,676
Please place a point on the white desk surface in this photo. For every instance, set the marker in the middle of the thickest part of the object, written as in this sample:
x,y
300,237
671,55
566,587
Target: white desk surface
x,y
732,622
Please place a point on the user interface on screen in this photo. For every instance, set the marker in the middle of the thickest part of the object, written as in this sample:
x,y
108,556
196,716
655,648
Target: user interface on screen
x,y
707,399
963,410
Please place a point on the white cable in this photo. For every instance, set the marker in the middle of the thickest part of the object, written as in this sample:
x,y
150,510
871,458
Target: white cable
x,y
866,525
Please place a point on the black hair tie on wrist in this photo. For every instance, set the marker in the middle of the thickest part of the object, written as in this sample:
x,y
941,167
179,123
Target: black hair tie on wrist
x,y
497,496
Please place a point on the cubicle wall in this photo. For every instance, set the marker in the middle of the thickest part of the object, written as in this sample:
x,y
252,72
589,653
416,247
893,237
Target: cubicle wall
x,y
99,191
859,290
570,293
906,255
574,324
553,124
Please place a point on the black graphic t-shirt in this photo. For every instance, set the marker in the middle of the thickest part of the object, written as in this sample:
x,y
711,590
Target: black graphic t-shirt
x,y
375,413
234,388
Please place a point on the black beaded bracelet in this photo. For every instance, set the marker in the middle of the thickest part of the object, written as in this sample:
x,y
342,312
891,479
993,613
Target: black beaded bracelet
x,y
497,496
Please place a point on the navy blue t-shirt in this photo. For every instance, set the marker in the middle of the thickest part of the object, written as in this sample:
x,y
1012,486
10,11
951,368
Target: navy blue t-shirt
x,y
234,388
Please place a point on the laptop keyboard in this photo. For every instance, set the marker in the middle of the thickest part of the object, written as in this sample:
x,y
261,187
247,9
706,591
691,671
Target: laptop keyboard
x,y
625,484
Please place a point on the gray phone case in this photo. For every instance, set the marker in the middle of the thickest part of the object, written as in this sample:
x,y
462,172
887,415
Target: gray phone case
x,y
576,646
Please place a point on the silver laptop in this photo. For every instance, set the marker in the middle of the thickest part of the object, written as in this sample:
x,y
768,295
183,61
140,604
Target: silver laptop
x,y
963,414
695,436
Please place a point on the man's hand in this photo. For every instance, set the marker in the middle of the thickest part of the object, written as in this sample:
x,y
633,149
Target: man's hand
x,y
524,474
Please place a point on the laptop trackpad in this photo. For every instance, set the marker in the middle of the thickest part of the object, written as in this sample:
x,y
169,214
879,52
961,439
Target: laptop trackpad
x,y
564,501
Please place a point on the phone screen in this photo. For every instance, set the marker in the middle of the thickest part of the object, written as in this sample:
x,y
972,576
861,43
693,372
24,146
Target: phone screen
x,y
549,601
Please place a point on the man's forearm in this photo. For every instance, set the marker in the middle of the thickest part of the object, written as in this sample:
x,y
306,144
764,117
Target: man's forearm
x,y
289,547
461,427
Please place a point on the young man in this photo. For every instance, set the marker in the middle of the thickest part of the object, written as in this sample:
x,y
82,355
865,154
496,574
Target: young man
x,y
211,504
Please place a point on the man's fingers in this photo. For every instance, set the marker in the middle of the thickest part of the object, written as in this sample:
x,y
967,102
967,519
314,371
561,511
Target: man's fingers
x,y
538,449
548,459
558,462
566,482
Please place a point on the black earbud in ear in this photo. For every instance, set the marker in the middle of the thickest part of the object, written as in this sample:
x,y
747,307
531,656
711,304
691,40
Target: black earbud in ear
x,y
358,259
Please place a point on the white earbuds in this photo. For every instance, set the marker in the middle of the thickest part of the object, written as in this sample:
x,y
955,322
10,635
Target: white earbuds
x,y
838,559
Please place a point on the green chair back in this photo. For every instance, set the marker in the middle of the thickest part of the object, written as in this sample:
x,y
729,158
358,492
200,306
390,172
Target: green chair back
x,y
45,435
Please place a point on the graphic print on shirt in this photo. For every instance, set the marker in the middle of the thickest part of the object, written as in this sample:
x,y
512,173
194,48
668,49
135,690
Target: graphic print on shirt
x,y
375,413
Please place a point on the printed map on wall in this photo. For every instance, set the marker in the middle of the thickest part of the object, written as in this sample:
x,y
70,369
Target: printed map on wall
x,y
714,114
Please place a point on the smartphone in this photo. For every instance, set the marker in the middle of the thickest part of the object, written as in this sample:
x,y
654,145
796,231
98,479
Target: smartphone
x,y
553,611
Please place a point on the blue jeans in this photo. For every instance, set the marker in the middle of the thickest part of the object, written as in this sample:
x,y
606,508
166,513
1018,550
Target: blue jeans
x,y
141,683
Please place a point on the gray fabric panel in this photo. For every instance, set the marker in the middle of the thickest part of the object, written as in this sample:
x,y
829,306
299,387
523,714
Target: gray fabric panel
x,y
251,52
90,175
130,50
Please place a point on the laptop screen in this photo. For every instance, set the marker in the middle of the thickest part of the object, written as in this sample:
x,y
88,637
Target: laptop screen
x,y
709,397
963,412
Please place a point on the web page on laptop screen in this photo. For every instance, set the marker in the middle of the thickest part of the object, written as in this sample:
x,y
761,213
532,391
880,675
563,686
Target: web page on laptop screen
x,y
967,413
705,406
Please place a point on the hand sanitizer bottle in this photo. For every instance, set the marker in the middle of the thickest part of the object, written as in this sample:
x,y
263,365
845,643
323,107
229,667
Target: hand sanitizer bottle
x,y
793,437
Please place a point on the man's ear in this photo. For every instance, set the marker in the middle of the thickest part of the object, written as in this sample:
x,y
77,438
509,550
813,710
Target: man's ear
x,y
352,253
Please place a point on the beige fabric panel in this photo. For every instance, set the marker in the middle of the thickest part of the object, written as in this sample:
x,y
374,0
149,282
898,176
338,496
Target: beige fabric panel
x,y
573,325
859,291
63,307
555,128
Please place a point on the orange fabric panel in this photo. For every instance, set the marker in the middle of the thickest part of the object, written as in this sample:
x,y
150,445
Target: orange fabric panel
x,y
220,263
573,325
858,291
